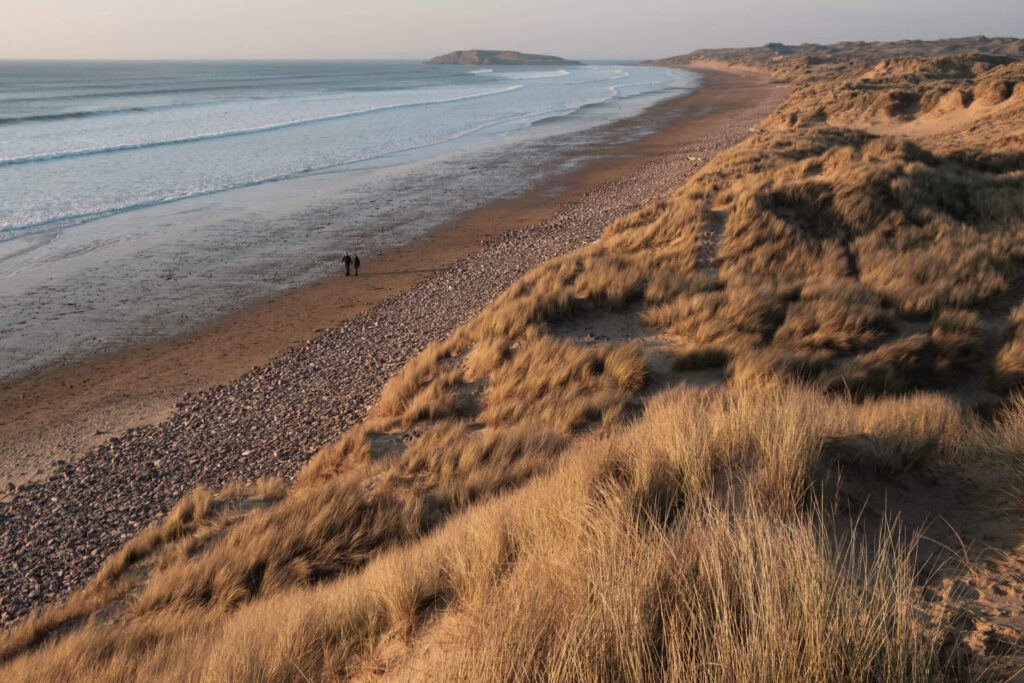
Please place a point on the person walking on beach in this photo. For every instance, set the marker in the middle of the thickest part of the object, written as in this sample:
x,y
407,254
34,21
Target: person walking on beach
x,y
347,260
355,263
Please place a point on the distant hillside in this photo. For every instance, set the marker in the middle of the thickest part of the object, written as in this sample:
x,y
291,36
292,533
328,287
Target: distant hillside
x,y
497,58
812,54
941,92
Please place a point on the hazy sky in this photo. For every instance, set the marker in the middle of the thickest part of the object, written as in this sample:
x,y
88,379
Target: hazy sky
x,y
157,29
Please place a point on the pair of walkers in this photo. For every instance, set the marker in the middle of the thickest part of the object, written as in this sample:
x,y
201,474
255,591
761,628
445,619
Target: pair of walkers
x,y
350,263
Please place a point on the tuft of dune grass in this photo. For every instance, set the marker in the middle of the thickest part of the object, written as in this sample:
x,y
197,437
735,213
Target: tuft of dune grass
x,y
562,384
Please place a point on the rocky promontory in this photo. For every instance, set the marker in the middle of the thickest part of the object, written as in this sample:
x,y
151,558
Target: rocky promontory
x,y
498,58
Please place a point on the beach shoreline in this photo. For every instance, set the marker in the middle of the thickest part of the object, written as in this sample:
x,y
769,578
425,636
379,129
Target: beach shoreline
x,y
225,407
148,271
53,413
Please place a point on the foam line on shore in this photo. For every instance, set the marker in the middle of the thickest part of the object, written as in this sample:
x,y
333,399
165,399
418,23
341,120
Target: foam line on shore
x,y
88,151
73,220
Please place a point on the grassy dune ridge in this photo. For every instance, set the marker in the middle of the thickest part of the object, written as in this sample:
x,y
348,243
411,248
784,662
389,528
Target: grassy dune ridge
x,y
663,456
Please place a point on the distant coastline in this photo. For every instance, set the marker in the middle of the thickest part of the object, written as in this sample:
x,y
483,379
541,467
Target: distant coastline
x,y
498,58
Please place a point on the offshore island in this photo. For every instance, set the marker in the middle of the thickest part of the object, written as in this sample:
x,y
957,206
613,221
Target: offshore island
x,y
499,58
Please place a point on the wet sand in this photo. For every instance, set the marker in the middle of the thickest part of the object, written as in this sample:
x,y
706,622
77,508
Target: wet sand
x,y
57,413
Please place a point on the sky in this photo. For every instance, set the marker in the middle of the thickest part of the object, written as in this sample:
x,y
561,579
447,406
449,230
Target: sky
x,y
582,29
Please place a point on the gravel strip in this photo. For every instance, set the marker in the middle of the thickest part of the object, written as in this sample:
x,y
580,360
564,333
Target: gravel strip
x,y
55,534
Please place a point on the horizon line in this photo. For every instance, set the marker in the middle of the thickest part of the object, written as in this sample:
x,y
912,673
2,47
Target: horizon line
x,y
276,59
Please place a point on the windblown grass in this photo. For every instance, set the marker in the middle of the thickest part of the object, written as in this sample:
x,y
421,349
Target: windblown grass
x,y
1008,368
524,506
629,559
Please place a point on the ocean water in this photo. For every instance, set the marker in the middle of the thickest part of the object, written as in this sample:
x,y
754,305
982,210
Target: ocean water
x,y
84,140
141,199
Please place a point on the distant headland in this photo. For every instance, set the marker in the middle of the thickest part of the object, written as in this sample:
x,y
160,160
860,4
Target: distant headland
x,y
497,58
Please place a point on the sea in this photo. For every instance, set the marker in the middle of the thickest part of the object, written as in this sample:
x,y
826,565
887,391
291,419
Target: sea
x,y
163,193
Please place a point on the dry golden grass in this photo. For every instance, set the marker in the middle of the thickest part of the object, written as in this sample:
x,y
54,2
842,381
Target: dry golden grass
x,y
187,529
703,599
397,394
523,506
872,85
1008,367
351,451
563,384
842,315
837,248
740,316
628,559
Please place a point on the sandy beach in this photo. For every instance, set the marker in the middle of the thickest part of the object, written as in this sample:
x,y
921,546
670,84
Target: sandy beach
x,y
99,447
59,411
